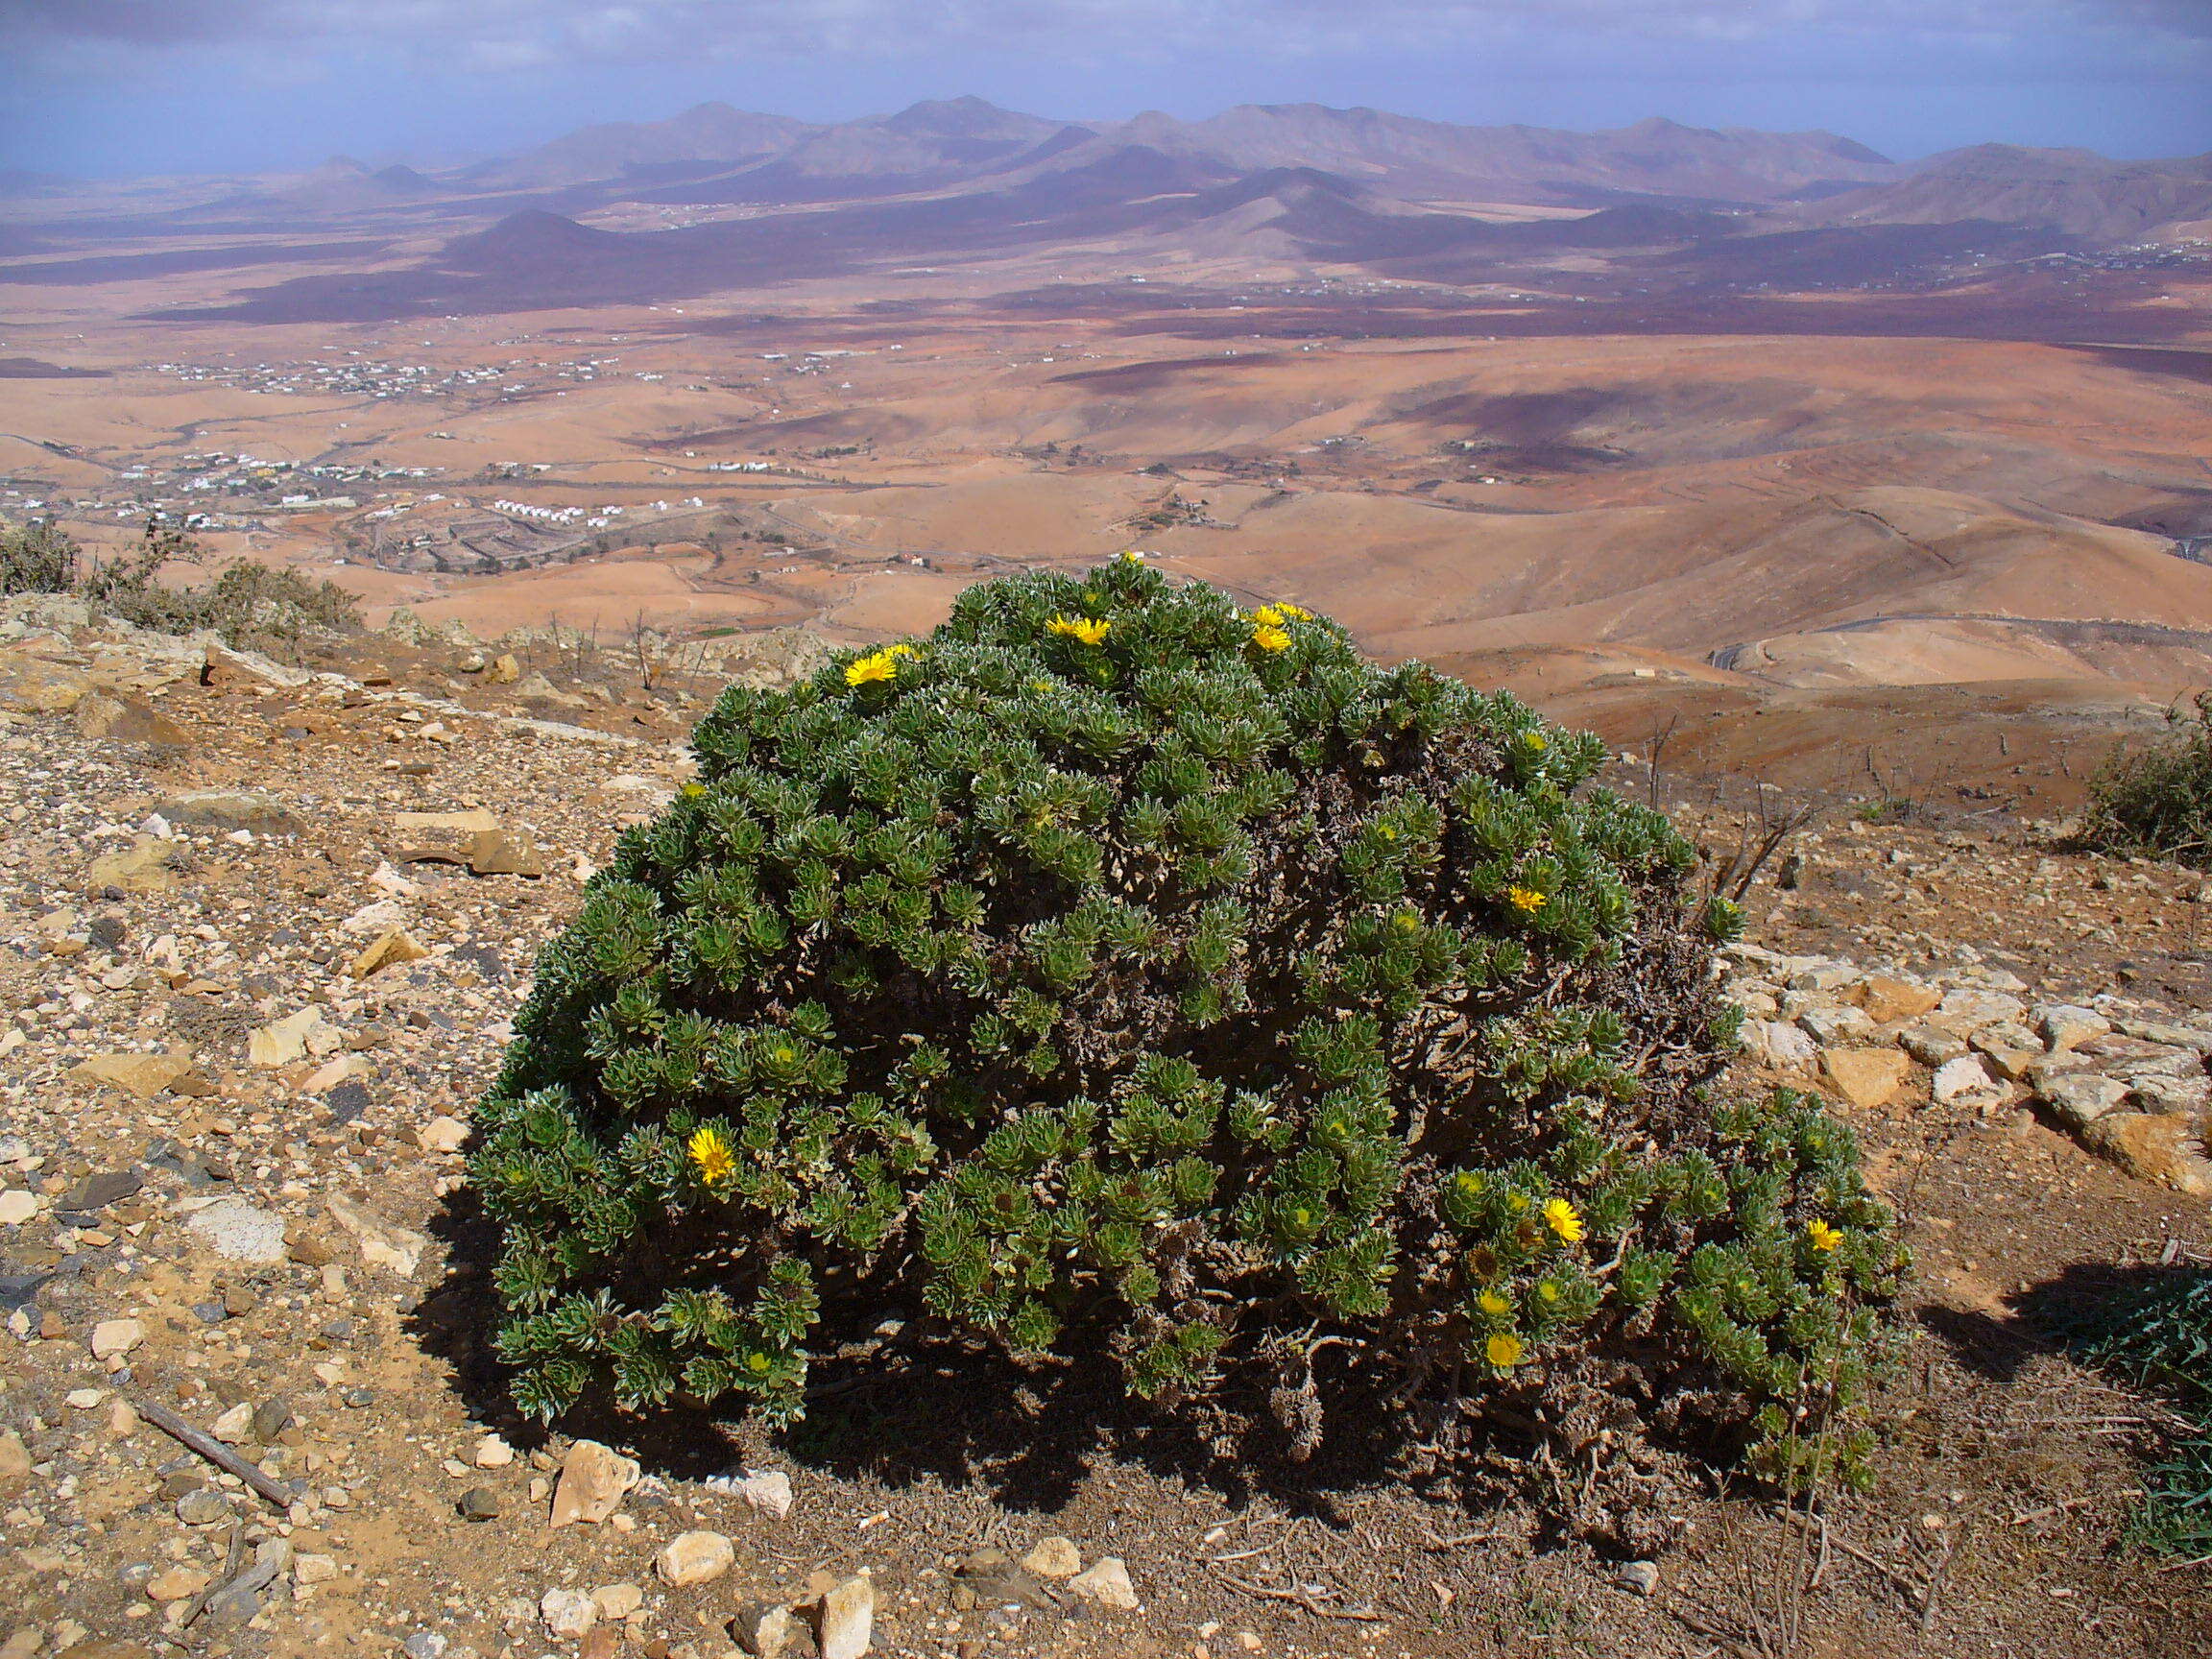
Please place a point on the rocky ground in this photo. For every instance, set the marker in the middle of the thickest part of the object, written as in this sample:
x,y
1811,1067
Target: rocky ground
x,y
260,933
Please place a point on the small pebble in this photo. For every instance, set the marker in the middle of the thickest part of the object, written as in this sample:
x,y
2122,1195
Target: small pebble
x,y
480,1503
1640,1577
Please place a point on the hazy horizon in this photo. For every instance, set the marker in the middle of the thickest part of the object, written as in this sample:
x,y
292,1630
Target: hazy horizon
x,y
107,87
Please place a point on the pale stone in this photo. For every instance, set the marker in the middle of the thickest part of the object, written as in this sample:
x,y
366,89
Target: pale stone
x,y
503,670
248,670
1053,1559
594,1481
15,1457
1831,1027
1932,1045
314,1569
766,1492
568,1613
1107,1584
493,1452
1865,1077
115,1337
2014,1064
2080,1099
236,1427
332,1073
240,1231
442,1135
383,1243
1969,1009
695,1558
393,946
1965,1081
617,1600
2067,1027
16,1207
763,1630
848,1619
1888,1000
176,1583
284,1041
1779,1044
378,917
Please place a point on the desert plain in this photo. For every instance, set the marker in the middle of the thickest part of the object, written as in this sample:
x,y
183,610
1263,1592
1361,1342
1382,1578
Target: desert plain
x,y
1826,495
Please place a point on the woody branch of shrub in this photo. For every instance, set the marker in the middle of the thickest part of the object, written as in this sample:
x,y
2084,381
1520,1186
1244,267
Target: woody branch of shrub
x,y
1118,968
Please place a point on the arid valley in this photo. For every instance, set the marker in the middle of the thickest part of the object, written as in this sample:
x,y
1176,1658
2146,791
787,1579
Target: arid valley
x,y
1659,425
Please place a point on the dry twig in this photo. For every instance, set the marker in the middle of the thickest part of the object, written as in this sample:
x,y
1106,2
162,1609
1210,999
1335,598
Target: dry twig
x,y
213,1449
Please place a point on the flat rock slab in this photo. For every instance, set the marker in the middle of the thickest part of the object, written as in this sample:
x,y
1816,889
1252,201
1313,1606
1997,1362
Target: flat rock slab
x,y
98,1191
1865,1077
2152,1146
144,1075
383,1243
240,1231
124,719
393,947
148,866
232,809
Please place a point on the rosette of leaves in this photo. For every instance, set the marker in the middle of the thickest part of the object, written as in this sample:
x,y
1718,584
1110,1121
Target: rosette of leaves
x,y
1121,969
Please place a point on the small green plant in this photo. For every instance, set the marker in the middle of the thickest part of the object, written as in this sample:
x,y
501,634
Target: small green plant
x,y
1117,969
2157,801
37,558
2158,1334
248,603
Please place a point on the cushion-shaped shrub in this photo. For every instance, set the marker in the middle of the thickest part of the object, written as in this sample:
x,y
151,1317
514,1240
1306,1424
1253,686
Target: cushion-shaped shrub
x,y
1119,967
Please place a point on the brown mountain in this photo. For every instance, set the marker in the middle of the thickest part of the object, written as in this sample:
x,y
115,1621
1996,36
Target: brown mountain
x,y
1653,157
716,154
2075,191
705,133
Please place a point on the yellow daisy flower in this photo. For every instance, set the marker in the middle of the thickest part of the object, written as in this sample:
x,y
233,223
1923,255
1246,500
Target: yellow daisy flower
x,y
711,1152
875,666
1503,1350
1564,1220
1268,617
1491,1302
1535,740
1270,638
1823,1235
1296,613
1524,899
1090,630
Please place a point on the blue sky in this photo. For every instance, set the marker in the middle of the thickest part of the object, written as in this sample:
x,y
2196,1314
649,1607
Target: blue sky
x,y
109,86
